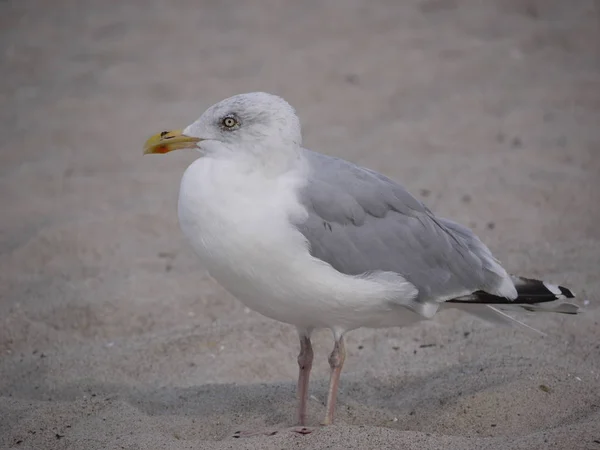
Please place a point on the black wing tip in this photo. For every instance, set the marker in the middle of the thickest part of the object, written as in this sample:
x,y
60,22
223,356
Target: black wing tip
x,y
533,292
566,292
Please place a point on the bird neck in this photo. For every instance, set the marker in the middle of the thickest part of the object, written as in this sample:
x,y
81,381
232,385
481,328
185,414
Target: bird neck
x,y
270,160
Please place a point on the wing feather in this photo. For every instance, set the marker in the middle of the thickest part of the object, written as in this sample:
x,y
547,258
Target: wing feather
x,y
360,221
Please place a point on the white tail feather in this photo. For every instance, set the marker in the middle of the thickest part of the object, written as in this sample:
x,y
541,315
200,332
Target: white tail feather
x,y
491,314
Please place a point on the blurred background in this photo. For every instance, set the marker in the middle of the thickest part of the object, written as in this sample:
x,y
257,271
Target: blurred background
x,y
489,111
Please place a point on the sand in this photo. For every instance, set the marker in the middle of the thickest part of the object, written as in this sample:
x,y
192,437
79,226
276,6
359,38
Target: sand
x,y
112,335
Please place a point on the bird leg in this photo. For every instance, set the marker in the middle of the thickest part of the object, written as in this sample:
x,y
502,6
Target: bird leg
x,y
336,362
305,359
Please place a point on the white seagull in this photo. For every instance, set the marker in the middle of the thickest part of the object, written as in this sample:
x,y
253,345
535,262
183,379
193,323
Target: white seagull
x,y
318,242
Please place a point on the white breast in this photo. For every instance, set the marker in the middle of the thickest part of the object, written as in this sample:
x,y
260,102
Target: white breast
x,y
238,221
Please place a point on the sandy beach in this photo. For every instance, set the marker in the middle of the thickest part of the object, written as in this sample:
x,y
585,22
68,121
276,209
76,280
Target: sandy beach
x,y
113,336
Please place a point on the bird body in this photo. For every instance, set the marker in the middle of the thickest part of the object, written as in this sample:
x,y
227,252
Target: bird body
x,y
227,212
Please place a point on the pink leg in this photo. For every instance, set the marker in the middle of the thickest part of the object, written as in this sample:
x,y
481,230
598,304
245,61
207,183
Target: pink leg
x,y
305,359
336,362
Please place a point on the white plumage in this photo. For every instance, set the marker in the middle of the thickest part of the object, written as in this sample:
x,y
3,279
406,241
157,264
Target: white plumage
x,y
238,221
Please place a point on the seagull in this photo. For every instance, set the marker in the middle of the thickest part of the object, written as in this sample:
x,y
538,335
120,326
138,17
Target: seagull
x,y
318,242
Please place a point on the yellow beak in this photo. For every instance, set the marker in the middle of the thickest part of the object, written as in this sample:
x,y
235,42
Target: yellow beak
x,y
168,141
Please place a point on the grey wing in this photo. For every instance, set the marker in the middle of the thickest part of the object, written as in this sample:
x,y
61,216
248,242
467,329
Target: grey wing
x,y
360,221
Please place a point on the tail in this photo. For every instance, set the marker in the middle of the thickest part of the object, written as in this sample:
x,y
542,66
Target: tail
x,y
533,296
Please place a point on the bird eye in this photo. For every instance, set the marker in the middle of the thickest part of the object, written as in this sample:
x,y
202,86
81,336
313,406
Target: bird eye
x,y
229,122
